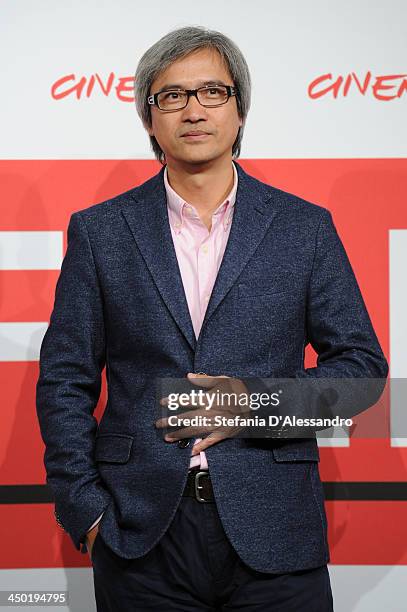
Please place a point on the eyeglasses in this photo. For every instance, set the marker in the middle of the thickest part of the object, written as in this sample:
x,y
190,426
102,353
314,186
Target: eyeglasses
x,y
176,99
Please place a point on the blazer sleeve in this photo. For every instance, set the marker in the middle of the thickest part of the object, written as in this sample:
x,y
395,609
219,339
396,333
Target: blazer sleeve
x,y
339,329
72,358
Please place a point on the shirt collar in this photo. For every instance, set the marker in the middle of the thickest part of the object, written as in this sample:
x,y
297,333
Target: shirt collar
x,y
177,206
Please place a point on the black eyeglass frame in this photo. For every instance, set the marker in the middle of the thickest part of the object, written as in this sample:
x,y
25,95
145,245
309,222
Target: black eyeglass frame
x,y
153,99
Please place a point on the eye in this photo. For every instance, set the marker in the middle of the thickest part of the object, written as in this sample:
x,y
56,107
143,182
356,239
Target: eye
x,y
171,95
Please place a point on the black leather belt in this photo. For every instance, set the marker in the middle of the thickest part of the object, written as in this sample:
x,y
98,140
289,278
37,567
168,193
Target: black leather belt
x,y
199,486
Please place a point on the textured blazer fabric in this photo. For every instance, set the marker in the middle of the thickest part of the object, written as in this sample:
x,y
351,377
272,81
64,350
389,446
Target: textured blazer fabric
x,y
285,281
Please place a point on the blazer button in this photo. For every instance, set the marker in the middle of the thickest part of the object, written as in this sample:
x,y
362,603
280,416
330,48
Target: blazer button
x,y
184,443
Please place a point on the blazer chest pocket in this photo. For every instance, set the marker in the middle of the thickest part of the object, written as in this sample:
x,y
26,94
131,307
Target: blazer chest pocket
x,y
248,291
113,448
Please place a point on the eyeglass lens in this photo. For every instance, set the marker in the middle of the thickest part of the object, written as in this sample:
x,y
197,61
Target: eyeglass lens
x,y
207,96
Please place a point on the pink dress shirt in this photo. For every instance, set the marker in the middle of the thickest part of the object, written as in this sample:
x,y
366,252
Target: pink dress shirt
x,y
199,254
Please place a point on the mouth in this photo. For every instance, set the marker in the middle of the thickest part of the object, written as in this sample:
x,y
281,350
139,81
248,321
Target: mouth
x,y
195,135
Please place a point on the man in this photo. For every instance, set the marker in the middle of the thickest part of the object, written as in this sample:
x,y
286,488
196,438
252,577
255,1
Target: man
x,y
207,274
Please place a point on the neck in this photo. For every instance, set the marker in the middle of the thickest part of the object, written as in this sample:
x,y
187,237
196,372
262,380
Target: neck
x,y
204,186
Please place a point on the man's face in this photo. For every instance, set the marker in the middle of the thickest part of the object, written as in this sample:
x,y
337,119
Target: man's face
x,y
220,124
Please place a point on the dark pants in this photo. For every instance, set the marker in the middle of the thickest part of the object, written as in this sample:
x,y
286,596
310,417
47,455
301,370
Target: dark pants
x,y
194,567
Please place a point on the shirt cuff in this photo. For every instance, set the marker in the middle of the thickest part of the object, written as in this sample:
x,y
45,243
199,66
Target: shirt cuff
x,y
95,523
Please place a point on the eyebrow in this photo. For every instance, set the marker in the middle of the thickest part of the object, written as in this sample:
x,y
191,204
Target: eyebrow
x,y
200,84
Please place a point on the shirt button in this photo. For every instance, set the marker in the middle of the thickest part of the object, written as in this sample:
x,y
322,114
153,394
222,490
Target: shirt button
x,y
184,443
177,224
205,248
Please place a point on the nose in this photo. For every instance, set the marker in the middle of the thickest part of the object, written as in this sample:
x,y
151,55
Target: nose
x,y
194,111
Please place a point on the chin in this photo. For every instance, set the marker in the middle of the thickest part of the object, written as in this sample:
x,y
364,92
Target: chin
x,y
200,157
199,160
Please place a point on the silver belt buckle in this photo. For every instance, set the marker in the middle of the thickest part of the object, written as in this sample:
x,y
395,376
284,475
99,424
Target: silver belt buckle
x,y
198,487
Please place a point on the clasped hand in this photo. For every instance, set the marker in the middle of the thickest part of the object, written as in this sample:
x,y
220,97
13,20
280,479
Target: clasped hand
x,y
215,385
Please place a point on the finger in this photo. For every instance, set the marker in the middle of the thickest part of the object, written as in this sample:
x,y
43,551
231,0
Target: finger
x,y
163,422
216,436
204,380
210,440
187,432
164,401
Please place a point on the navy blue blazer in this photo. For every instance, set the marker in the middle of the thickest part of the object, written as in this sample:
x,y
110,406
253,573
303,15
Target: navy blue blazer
x,y
285,281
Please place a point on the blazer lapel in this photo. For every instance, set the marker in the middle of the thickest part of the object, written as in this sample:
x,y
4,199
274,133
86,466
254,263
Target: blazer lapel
x,y
251,218
148,220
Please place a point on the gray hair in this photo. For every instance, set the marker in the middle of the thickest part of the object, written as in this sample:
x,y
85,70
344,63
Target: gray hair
x,y
177,44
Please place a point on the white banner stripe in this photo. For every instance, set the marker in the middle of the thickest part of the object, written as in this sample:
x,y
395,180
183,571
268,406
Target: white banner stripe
x,y
398,331
31,250
398,302
341,441
21,341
